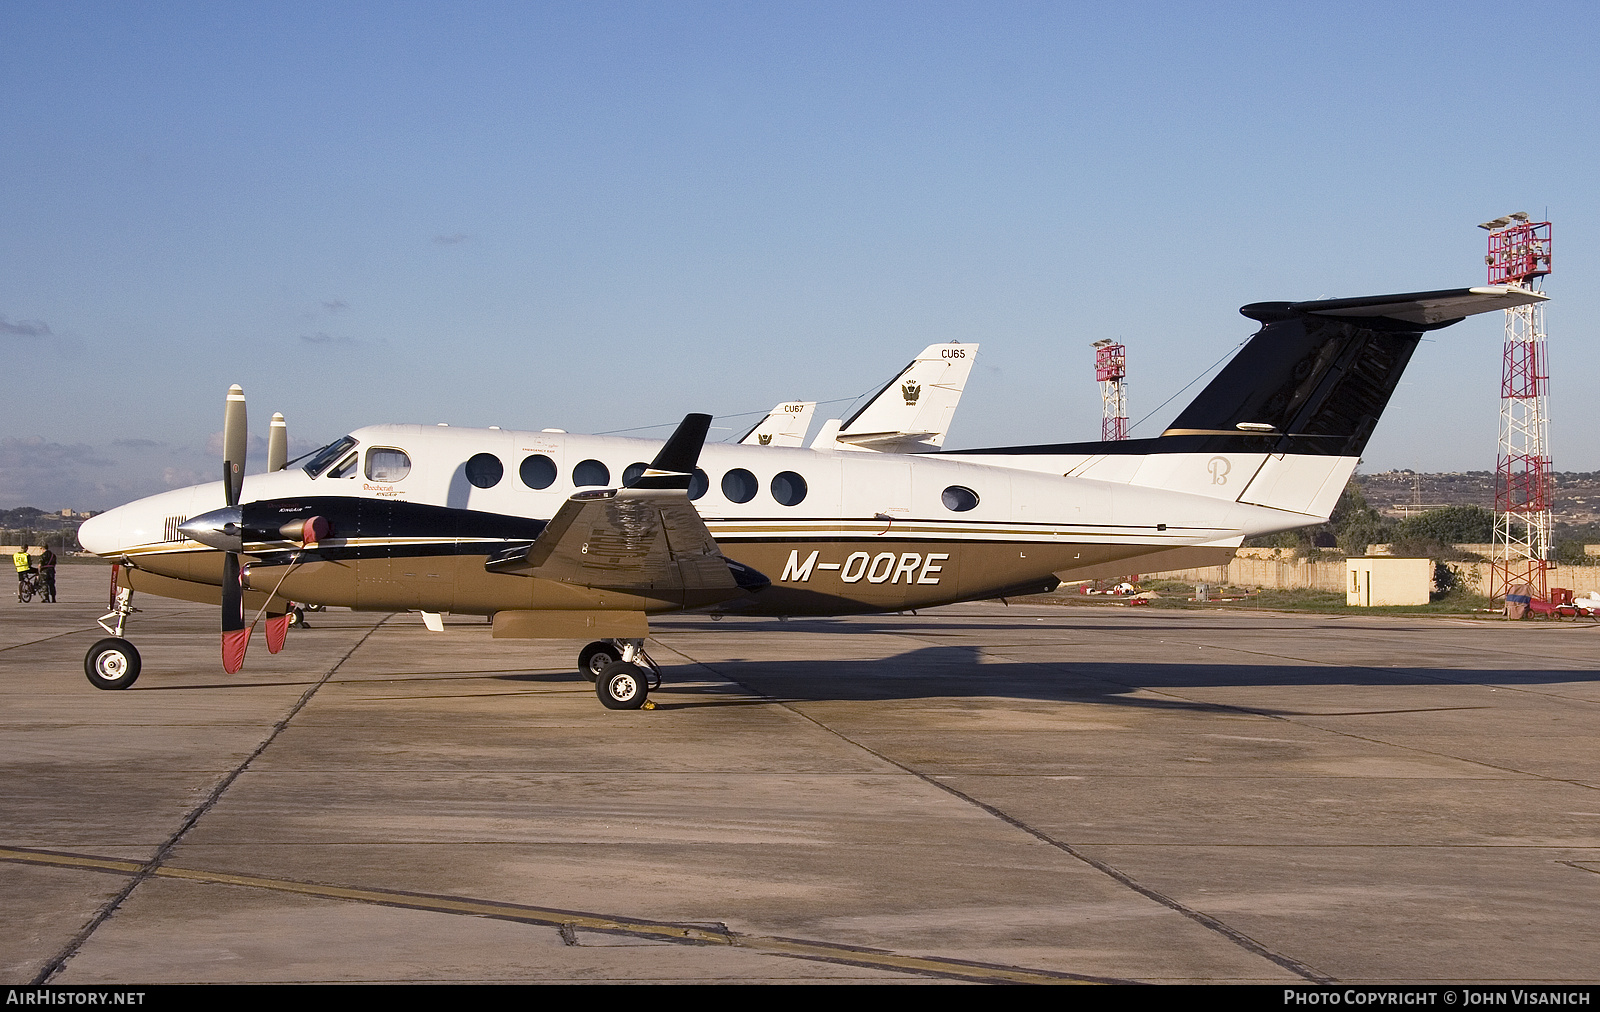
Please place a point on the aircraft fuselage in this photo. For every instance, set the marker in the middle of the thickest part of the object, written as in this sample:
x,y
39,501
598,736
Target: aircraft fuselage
x,y
834,531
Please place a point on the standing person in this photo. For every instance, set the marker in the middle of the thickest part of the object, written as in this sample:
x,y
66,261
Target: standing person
x,y
24,566
47,569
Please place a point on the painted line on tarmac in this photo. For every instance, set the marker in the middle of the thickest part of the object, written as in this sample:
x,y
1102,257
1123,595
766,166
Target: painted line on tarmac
x,y
570,921
149,868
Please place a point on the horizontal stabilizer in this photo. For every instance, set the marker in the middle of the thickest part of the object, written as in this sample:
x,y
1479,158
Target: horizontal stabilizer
x,y
1425,309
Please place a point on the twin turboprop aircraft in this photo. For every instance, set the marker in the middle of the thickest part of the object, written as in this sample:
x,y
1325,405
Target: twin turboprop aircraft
x,y
557,535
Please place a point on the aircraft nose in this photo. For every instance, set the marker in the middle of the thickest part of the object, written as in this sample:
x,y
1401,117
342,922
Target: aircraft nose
x,y
102,534
220,528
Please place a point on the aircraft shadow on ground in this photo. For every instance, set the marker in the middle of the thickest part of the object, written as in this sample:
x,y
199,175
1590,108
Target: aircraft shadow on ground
x,y
960,671
1072,622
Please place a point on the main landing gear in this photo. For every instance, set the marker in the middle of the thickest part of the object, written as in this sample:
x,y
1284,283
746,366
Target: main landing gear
x,y
113,663
622,673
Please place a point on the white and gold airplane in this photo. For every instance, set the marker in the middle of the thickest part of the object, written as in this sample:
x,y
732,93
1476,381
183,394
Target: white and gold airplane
x,y
557,535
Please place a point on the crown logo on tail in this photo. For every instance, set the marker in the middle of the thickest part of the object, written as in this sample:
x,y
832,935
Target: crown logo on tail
x,y
912,391
765,437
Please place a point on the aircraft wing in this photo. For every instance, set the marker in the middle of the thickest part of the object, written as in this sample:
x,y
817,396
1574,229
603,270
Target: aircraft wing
x,y
647,535
630,538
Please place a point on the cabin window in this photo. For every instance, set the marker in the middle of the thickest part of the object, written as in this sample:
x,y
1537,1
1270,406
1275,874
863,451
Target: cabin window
x,y
633,472
537,471
959,499
328,454
591,472
788,488
485,470
385,463
739,485
698,484
346,468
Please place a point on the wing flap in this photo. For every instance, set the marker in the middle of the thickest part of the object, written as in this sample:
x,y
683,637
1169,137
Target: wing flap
x,y
631,539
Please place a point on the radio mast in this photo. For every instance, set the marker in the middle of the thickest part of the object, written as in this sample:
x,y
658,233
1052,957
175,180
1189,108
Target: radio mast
x,y
1519,254
1111,370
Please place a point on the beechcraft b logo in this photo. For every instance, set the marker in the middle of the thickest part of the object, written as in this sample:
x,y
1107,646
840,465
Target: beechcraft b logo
x,y
912,390
765,437
1219,467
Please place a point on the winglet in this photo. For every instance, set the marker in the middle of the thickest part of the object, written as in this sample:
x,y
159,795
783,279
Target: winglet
x,y
673,467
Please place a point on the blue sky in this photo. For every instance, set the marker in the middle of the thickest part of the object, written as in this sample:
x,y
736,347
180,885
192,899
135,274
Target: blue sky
x,y
600,216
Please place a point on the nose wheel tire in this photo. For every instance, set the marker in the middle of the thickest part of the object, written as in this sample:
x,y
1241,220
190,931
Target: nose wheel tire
x,y
621,686
596,657
112,664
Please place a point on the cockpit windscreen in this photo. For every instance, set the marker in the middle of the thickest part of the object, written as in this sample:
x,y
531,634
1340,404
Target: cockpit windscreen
x,y
324,457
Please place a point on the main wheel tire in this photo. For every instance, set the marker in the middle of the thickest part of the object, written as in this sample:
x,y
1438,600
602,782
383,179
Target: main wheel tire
x,y
112,664
621,686
596,657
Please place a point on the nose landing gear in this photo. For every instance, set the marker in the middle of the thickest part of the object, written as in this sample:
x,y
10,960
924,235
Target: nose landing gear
x,y
114,663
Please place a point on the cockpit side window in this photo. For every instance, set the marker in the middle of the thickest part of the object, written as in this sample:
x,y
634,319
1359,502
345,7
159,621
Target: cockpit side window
x,y
328,454
346,468
386,463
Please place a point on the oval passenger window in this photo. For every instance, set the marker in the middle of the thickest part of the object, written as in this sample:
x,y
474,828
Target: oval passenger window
x,y
698,484
485,470
385,463
633,471
739,485
959,499
537,471
591,472
788,488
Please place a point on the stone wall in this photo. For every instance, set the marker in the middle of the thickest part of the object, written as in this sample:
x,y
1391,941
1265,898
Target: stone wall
x,y
1274,568
1279,569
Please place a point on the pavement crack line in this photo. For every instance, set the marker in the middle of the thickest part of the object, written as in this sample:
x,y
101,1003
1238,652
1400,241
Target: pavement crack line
x,y
1201,918
569,922
52,636
153,866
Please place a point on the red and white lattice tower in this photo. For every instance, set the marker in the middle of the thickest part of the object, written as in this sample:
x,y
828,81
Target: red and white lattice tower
x,y
1111,369
1519,254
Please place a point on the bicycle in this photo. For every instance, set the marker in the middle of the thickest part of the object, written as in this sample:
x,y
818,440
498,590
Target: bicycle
x,y
32,583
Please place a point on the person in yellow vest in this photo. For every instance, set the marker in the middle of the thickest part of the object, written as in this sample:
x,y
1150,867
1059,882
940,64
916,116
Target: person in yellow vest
x,y
24,566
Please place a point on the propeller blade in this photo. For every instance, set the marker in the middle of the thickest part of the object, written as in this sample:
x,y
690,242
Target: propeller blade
x,y
277,443
277,631
235,634
235,437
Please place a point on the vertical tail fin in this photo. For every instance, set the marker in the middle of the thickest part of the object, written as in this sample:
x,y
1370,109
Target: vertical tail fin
x,y
784,425
912,412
